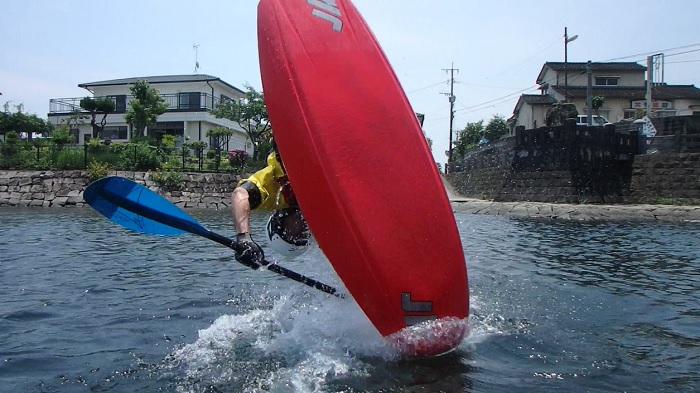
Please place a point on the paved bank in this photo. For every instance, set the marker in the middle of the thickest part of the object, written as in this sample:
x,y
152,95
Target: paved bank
x,y
577,212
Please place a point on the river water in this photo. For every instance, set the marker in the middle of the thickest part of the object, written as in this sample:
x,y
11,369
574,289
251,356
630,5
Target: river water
x,y
555,307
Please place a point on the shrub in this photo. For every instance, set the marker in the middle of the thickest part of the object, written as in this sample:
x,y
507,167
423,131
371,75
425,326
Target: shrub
x,y
199,145
168,143
117,147
61,137
95,146
11,145
70,159
237,157
19,159
168,177
97,170
42,164
138,157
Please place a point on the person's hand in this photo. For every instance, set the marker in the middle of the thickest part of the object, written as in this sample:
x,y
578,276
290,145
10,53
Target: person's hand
x,y
249,252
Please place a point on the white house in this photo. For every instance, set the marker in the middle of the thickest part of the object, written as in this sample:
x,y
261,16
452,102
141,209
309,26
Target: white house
x,y
622,84
190,99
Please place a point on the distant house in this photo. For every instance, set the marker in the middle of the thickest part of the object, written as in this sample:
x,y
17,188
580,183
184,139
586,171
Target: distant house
x,y
622,84
531,109
190,99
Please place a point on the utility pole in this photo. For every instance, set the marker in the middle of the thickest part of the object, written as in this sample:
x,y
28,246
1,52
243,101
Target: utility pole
x,y
650,83
589,91
452,99
654,77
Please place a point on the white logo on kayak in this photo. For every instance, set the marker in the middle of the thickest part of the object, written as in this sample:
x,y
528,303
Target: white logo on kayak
x,y
327,10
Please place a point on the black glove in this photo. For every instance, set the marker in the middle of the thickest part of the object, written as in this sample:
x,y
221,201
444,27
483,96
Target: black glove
x,y
249,252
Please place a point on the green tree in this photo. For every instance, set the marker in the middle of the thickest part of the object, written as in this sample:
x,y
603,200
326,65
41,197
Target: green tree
x,y
250,113
22,123
61,136
11,144
74,120
145,108
496,129
468,138
97,106
168,143
220,136
597,103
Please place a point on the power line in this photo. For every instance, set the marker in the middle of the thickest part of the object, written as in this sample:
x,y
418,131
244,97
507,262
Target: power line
x,y
524,61
500,98
507,97
654,52
684,61
683,53
428,87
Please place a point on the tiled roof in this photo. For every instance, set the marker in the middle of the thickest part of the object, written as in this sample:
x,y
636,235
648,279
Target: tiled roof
x,y
663,92
572,67
533,99
632,93
158,79
538,99
671,92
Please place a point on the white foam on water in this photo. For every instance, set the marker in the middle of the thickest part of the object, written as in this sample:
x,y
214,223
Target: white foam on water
x,y
301,341
483,324
300,344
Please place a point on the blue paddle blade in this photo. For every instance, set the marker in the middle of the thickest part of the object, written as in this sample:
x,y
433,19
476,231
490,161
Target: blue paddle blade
x,y
137,208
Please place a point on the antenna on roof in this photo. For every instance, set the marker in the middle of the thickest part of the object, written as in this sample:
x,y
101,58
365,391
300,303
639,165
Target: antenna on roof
x,y
196,53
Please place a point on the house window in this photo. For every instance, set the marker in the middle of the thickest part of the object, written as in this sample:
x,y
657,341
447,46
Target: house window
x,y
168,127
119,102
75,132
606,81
114,132
189,100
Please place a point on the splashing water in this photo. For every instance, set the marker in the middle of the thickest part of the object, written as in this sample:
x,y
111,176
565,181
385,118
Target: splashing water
x,y
294,346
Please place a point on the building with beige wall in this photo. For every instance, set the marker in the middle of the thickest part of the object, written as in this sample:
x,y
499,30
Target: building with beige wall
x,y
622,84
190,99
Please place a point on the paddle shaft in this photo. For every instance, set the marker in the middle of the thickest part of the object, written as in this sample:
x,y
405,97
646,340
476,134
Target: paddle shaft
x,y
195,228
277,268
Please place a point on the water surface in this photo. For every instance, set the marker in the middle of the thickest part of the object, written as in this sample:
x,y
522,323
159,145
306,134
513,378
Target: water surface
x,y
555,306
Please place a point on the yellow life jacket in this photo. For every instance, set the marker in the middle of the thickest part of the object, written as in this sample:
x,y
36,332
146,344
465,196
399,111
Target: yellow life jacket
x,y
271,181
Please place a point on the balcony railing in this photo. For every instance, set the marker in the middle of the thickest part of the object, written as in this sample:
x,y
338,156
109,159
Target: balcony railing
x,y
178,102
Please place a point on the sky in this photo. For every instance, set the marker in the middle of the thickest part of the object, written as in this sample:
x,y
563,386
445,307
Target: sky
x,y
497,47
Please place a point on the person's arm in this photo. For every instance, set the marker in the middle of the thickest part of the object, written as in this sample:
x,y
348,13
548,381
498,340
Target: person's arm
x,y
244,198
240,203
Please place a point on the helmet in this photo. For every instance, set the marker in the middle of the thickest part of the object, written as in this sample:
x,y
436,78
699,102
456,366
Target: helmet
x,y
288,232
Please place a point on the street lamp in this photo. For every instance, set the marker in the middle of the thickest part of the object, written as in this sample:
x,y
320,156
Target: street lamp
x,y
567,39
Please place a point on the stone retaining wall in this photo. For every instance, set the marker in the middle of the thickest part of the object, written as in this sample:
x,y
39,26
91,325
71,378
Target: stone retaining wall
x,y
647,178
65,188
669,178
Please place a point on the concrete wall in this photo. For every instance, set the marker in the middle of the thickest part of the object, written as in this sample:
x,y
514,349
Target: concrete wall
x,y
65,188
